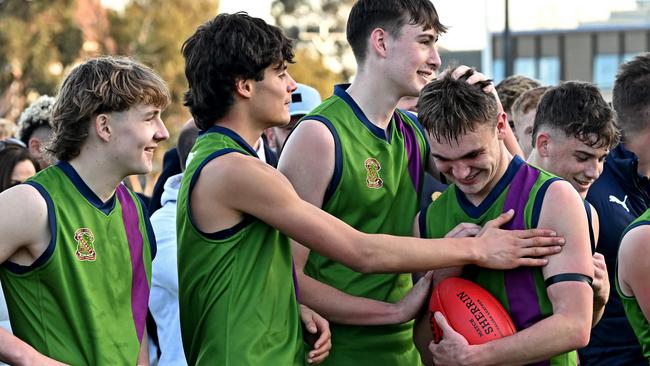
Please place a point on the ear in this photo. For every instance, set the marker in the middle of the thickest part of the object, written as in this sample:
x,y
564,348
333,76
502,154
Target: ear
x,y
244,87
502,125
378,42
102,124
34,146
542,143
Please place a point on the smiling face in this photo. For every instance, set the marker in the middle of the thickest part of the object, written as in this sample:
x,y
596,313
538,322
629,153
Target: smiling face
x,y
571,159
135,134
475,162
412,58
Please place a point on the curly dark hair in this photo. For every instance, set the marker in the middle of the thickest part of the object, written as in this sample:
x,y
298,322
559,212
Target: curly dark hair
x,y
100,85
228,48
391,15
449,108
578,109
632,94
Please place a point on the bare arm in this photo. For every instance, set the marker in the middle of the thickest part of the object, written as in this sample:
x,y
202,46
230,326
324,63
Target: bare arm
x,y
569,326
601,285
22,244
634,268
308,162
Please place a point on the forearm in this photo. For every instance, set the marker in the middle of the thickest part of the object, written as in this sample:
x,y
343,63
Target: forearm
x,y
383,253
599,310
338,307
14,351
552,336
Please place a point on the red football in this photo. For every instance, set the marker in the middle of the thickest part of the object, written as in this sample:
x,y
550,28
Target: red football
x,y
470,310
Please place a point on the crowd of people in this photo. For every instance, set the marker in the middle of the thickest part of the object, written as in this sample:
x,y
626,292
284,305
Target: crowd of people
x,y
288,230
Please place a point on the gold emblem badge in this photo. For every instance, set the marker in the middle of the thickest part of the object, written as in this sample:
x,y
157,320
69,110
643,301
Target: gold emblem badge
x,y
372,179
85,244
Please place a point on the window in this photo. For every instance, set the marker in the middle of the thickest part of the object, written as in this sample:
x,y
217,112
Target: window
x,y
605,66
549,70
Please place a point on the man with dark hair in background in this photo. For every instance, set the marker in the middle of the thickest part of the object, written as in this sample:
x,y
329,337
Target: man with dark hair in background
x,y
621,194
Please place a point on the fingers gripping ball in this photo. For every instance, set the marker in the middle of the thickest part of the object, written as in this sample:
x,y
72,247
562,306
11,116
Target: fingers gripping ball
x,y
470,310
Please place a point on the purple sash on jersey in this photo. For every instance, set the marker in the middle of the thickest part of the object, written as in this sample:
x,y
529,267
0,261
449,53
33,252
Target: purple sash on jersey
x,y
140,284
412,151
520,282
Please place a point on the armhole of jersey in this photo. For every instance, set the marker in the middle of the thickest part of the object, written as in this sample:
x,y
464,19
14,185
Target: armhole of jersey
x,y
592,238
422,222
338,158
225,233
627,230
47,254
144,211
539,199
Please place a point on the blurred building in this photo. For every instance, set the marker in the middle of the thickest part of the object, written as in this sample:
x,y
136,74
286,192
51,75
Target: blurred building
x,y
591,52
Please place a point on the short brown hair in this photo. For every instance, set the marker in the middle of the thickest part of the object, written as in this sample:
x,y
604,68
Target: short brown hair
x,y
449,108
391,15
632,94
579,110
529,100
510,88
100,85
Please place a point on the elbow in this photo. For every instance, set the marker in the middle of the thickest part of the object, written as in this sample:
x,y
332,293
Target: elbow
x,y
580,333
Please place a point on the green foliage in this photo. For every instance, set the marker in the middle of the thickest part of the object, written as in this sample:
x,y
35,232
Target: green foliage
x,y
33,36
153,31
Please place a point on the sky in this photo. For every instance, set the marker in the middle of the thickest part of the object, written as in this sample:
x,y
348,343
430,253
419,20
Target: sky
x,y
470,21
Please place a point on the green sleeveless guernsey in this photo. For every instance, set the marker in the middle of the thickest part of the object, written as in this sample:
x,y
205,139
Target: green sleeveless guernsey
x,y
633,311
79,302
374,188
236,292
521,291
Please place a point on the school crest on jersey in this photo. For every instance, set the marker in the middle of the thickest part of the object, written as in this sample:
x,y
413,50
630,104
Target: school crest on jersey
x,y
85,244
373,180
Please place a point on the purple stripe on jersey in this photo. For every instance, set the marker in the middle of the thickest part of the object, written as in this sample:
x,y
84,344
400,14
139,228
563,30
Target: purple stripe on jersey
x,y
412,151
520,282
140,284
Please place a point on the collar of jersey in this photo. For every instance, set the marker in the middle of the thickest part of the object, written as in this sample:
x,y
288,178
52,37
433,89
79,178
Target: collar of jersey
x,y
476,211
82,187
340,91
234,136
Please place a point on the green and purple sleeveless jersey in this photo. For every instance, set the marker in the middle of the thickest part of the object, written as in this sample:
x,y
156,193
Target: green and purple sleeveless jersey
x,y
633,311
521,291
375,188
236,289
84,300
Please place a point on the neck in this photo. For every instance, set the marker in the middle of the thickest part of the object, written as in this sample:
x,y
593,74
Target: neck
x,y
375,97
98,175
535,159
504,161
242,124
639,146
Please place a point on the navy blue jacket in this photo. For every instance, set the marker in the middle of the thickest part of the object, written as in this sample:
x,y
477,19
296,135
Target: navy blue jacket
x,y
619,196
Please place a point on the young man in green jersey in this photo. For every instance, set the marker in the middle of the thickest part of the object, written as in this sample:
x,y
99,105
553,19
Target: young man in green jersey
x,y
574,128
76,243
362,160
551,306
238,303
